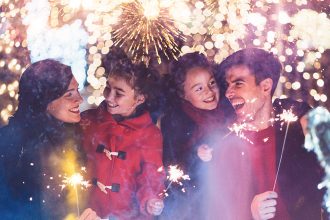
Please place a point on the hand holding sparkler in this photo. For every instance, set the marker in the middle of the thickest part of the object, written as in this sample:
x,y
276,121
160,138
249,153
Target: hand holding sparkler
x,y
204,152
89,214
263,205
155,206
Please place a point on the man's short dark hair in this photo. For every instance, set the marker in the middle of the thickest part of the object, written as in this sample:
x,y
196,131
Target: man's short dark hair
x,y
262,65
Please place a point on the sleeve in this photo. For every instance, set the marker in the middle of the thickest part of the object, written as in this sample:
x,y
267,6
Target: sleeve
x,y
150,181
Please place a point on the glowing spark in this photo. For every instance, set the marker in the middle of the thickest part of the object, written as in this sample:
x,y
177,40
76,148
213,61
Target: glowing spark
x,y
238,130
75,180
144,34
288,116
175,176
160,169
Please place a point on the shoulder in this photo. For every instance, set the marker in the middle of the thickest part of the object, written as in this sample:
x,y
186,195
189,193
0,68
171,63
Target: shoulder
x,y
176,119
10,135
90,113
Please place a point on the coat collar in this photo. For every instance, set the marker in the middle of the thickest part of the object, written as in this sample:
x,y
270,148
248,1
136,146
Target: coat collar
x,y
135,123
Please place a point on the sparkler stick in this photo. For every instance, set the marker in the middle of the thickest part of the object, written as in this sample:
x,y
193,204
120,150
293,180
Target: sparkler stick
x,y
286,116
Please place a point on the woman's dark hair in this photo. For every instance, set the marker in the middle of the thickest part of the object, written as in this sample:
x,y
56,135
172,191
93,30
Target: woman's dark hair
x,y
41,83
262,65
179,69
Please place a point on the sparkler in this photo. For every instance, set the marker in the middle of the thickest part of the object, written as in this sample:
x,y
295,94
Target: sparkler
x,y
287,116
144,28
238,130
75,180
175,176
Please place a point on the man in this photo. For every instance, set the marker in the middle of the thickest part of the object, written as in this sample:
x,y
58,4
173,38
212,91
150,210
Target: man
x,y
251,76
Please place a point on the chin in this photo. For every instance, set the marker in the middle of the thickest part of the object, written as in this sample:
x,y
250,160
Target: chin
x,y
75,119
211,107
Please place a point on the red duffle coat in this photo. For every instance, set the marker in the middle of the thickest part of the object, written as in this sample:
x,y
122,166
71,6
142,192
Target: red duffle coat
x,y
138,174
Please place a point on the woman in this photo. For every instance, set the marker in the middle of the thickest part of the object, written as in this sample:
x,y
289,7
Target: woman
x,y
195,117
39,147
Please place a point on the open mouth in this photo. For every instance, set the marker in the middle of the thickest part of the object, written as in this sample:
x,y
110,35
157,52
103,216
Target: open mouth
x,y
237,104
211,99
111,105
75,110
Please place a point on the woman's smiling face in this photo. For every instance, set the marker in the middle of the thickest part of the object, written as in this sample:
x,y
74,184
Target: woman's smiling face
x,y
66,108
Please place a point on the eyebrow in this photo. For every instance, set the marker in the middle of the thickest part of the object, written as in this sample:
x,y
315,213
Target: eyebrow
x,y
238,79
69,90
197,84
120,89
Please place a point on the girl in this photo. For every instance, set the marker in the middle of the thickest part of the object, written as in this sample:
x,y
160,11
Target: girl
x,y
124,147
40,144
193,117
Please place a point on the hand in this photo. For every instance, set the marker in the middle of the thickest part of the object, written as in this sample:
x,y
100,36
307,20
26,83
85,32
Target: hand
x,y
204,152
263,205
155,206
89,214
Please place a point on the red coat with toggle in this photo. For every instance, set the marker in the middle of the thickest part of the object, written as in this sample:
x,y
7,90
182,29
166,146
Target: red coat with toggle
x,y
137,174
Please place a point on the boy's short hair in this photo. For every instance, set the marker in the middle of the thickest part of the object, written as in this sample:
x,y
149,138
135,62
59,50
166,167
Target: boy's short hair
x,y
262,65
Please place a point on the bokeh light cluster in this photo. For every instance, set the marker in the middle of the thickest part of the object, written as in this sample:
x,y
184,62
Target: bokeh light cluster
x,y
156,31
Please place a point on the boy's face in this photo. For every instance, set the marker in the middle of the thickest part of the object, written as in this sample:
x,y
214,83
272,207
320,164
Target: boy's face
x,y
247,98
200,89
66,108
120,97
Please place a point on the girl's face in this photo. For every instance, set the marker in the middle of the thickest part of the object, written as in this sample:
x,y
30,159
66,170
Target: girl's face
x,y
200,89
66,108
120,97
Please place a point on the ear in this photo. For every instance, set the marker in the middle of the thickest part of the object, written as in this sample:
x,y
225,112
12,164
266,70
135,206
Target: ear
x,y
140,99
266,85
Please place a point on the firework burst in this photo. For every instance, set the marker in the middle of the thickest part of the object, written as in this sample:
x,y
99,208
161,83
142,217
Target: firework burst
x,y
146,29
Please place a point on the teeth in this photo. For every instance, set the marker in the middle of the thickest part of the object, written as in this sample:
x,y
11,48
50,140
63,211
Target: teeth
x,y
112,105
238,105
209,99
75,110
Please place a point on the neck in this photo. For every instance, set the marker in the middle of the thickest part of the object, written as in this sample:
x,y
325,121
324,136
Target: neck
x,y
262,119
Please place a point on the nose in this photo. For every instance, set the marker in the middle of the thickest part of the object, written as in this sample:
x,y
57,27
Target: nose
x,y
210,90
108,95
229,93
79,99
